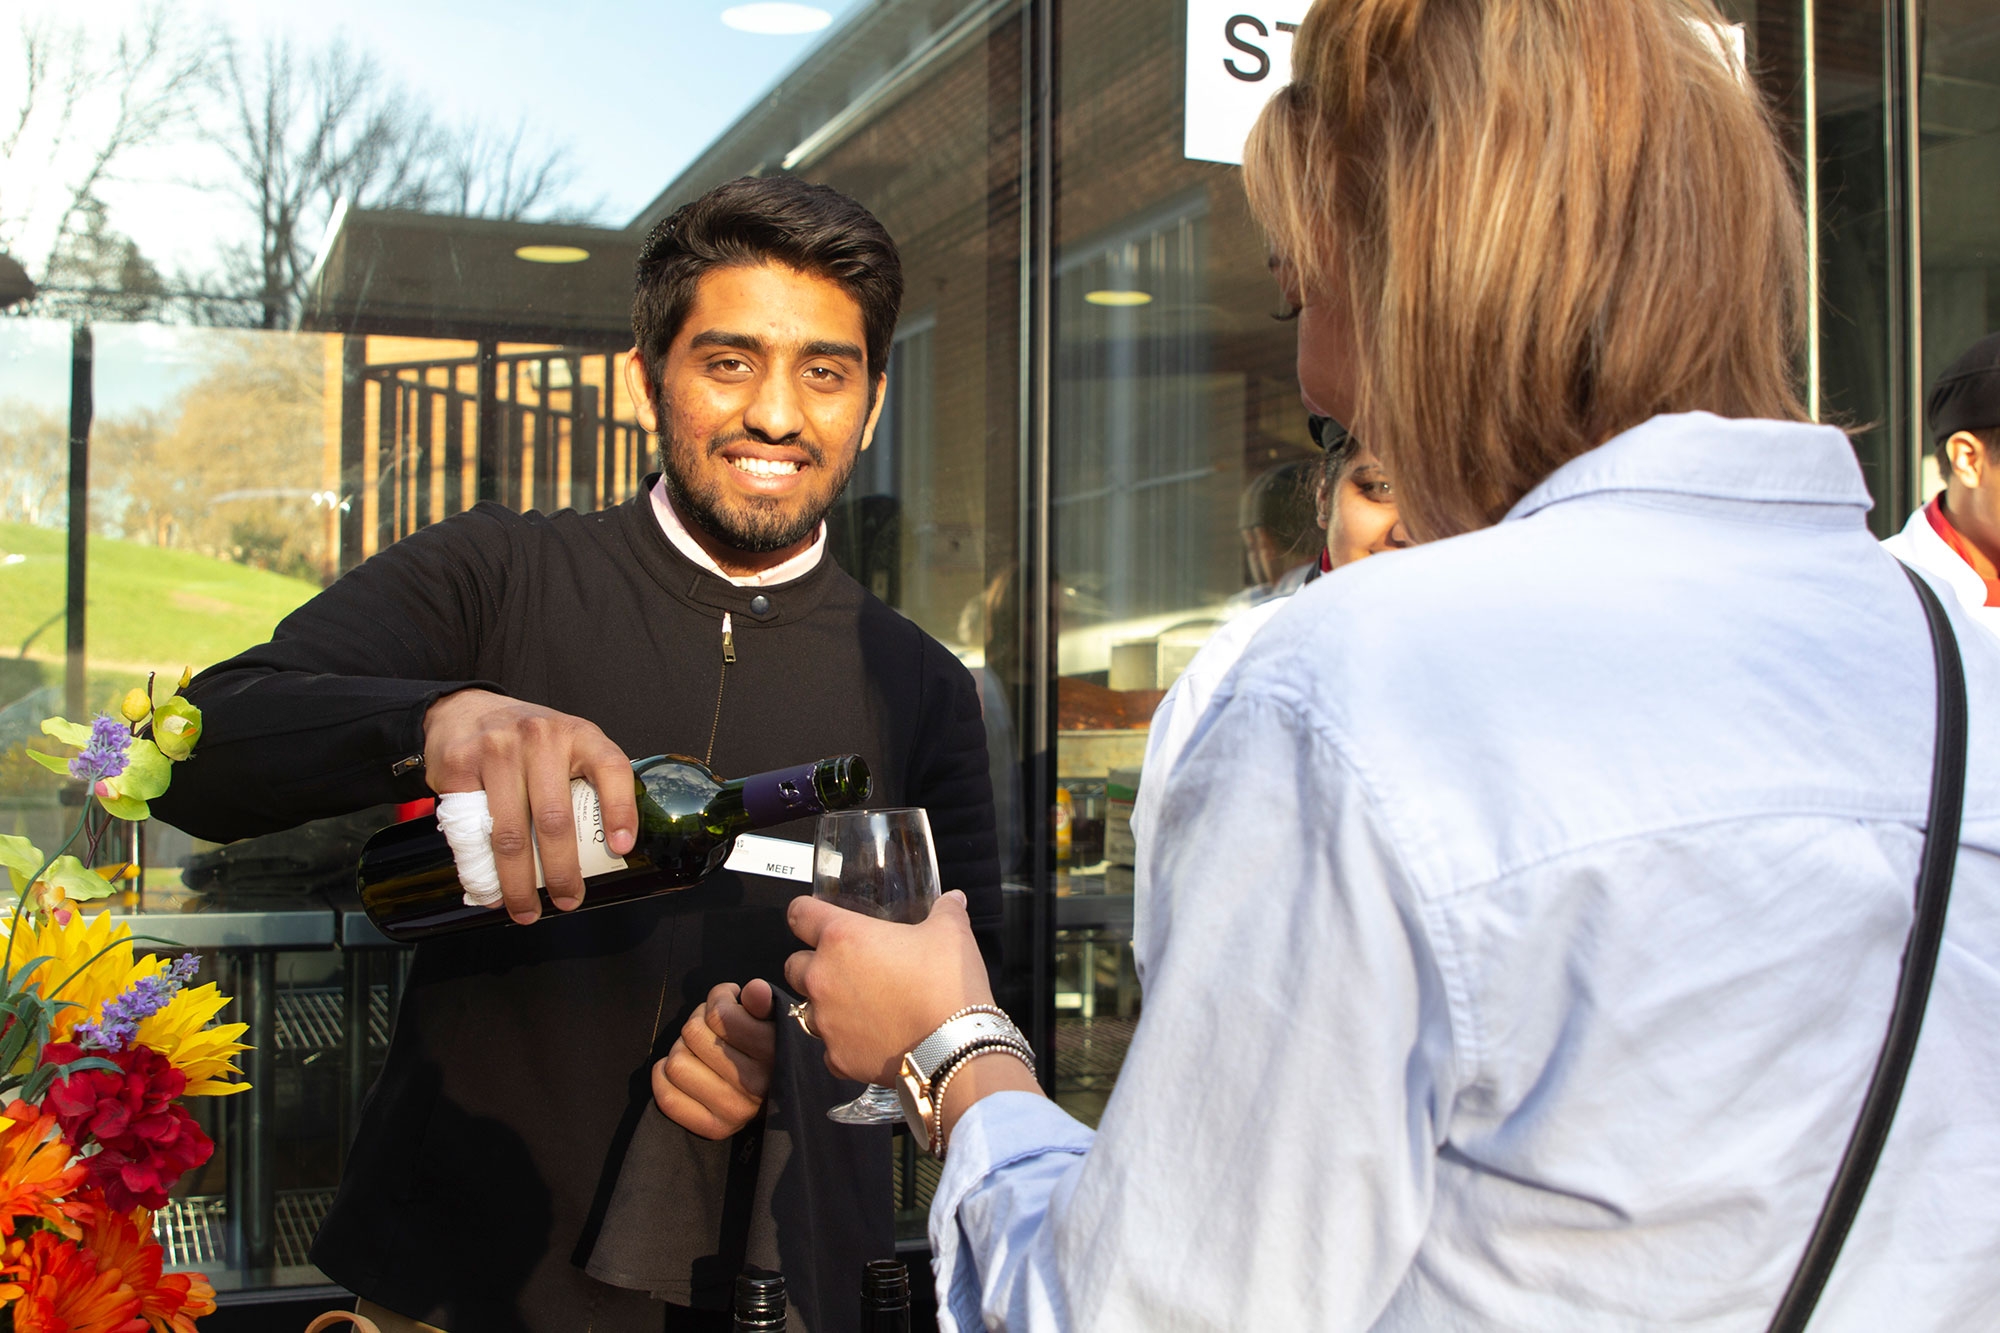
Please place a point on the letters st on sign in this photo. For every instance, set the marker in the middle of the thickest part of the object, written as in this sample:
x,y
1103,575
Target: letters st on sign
x,y
1237,56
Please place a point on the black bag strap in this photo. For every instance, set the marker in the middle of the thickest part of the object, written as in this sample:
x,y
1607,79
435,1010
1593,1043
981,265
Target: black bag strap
x,y
1913,989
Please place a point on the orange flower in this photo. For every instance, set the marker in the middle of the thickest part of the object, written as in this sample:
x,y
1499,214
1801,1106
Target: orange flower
x,y
168,1302
36,1171
62,1290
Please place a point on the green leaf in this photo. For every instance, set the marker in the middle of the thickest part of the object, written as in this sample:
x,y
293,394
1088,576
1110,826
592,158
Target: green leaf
x,y
14,988
21,857
55,763
69,733
147,773
77,880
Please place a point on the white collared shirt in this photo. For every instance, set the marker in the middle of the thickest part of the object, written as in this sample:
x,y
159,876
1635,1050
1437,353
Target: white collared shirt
x,y
1919,544
1529,910
670,523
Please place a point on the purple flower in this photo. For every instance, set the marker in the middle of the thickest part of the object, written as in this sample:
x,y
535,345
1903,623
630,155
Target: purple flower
x,y
123,1013
105,756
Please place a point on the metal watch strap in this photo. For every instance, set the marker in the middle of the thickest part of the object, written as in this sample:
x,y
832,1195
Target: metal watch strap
x,y
960,1030
1913,987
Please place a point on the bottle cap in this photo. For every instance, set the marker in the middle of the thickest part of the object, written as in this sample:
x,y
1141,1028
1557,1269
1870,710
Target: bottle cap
x,y
885,1285
760,1297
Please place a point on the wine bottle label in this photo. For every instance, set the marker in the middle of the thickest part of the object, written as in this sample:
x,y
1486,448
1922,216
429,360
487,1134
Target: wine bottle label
x,y
780,858
593,850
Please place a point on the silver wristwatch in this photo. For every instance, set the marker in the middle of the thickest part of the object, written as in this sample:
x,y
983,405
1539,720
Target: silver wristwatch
x,y
934,1058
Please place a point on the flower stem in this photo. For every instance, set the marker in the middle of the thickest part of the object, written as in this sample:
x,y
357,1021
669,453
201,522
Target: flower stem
x,y
21,899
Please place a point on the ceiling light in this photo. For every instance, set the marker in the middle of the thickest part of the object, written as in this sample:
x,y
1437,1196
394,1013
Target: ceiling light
x,y
552,254
1107,296
776,20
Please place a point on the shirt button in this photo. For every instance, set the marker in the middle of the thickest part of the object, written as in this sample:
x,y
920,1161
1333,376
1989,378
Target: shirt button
x,y
760,605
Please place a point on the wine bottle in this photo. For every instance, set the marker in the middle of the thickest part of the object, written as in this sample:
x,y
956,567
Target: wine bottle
x,y
885,1297
760,1302
688,821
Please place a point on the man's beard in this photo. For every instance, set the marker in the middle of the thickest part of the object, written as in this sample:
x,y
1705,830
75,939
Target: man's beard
x,y
756,525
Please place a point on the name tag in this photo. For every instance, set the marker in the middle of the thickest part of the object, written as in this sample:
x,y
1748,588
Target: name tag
x,y
780,858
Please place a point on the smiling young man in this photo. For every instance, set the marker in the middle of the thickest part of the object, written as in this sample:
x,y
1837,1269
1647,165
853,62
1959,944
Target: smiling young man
x,y
512,1170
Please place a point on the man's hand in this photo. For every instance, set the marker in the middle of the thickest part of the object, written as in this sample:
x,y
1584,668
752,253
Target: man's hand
x,y
523,757
878,988
715,1077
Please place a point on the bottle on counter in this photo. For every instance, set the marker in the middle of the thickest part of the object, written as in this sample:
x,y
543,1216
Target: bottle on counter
x,y
760,1302
688,822
885,1297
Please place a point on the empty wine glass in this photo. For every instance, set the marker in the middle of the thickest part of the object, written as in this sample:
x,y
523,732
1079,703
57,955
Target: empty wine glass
x,y
880,862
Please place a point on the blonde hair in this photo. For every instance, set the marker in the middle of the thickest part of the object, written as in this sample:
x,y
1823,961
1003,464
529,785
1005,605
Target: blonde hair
x,y
1549,220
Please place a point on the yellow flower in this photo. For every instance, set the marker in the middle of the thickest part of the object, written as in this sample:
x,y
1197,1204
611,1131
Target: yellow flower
x,y
136,705
87,960
203,1053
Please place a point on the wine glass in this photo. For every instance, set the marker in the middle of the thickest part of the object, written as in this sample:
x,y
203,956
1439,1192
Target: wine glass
x,y
880,862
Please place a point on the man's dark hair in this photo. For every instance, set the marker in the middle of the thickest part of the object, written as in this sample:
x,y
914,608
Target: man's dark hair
x,y
762,220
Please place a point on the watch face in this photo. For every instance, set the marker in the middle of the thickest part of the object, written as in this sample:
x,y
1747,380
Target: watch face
x,y
913,1091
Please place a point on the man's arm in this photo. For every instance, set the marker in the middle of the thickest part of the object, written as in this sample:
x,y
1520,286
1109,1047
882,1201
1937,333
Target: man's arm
x,y
368,693
328,716
951,780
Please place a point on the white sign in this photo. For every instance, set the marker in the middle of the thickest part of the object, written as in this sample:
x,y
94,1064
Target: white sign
x,y
1239,52
780,858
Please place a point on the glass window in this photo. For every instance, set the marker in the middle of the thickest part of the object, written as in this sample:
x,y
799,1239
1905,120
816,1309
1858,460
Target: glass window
x,y
1181,471
1960,136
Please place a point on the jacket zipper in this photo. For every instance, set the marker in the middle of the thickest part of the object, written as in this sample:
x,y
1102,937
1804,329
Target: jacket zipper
x,y
728,656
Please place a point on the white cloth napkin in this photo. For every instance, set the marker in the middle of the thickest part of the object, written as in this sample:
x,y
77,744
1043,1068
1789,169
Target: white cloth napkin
x,y
467,824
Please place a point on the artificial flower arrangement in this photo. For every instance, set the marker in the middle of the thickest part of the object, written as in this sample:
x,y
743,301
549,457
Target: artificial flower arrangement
x,y
96,1051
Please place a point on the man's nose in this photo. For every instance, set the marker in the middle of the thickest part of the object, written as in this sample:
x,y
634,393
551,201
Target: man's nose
x,y
775,414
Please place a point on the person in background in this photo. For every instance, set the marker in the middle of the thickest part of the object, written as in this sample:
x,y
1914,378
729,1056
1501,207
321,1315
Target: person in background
x,y
1531,904
1356,505
1279,536
1957,535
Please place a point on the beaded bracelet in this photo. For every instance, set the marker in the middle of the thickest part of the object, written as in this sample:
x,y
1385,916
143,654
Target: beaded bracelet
x,y
1018,1050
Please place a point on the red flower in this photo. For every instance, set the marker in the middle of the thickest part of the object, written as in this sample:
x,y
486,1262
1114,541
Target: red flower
x,y
147,1143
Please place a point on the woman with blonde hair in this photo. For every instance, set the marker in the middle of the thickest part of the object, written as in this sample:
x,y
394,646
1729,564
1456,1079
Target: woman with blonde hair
x,y
1530,903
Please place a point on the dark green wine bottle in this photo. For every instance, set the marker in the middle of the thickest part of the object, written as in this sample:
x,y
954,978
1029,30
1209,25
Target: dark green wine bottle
x,y
688,822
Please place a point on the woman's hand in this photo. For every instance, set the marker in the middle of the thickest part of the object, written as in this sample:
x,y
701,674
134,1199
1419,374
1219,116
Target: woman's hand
x,y
715,1077
878,988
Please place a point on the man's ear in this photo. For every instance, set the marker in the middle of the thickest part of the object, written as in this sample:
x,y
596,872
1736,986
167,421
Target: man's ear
x,y
875,412
1967,458
641,390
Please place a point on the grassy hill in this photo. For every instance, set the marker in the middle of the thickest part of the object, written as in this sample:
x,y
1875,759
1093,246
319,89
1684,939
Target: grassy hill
x,y
147,608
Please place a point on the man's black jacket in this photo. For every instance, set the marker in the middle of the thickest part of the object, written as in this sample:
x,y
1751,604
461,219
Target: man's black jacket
x,y
490,1148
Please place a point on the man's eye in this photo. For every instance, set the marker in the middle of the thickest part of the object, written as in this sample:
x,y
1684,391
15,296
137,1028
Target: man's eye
x,y
824,374
728,364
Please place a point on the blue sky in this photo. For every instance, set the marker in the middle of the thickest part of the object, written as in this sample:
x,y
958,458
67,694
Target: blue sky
x,y
633,89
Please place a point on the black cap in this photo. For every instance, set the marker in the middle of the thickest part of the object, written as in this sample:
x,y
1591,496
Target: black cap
x,y
885,1285
760,1300
1967,395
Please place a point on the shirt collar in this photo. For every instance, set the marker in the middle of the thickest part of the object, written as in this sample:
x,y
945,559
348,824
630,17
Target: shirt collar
x,y
684,542
1948,532
1722,458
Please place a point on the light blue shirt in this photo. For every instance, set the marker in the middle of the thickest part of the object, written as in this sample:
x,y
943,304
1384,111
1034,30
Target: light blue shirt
x,y
1529,911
